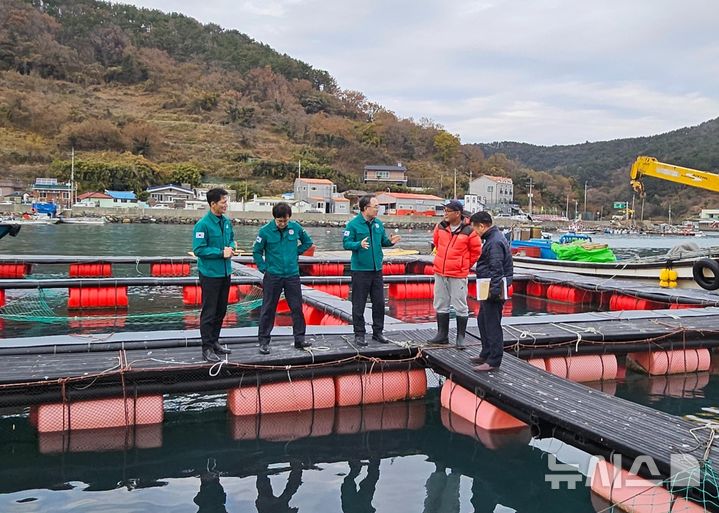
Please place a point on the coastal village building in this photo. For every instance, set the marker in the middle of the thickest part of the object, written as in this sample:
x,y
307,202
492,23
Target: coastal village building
x,y
472,203
122,199
403,204
9,186
385,174
265,204
340,204
493,191
95,199
170,195
47,190
318,192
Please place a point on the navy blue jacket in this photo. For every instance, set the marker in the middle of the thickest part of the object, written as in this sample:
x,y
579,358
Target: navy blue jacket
x,y
495,262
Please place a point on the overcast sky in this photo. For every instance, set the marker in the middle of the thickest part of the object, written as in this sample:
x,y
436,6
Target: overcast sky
x,y
538,71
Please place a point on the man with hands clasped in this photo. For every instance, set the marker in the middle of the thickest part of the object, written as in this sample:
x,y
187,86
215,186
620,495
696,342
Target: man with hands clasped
x,y
213,243
365,236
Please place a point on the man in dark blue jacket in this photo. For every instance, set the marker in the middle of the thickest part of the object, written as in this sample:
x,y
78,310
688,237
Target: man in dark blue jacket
x,y
495,264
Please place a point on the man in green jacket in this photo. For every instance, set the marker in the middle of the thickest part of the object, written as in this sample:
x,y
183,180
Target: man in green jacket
x,y
275,252
365,236
213,243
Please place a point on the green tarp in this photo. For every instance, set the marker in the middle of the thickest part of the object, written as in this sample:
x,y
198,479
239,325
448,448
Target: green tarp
x,y
578,253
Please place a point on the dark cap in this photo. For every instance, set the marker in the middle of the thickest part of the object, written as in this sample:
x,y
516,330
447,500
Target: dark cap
x,y
454,205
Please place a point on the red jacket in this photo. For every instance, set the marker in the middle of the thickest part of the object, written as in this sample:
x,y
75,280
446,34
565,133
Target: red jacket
x,y
457,251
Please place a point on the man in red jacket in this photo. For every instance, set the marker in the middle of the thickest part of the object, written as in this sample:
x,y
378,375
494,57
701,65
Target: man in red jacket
x,y
458,248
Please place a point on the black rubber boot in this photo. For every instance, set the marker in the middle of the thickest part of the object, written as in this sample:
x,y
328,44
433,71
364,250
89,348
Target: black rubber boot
x,y
443,330
461,330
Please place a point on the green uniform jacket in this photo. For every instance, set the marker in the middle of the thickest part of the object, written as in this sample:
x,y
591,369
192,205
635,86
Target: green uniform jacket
x,y
275,251
209,239
369,259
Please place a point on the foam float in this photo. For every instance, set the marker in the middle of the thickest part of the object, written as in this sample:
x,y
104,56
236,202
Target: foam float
x,y
464,403
583,368
670,362
97,413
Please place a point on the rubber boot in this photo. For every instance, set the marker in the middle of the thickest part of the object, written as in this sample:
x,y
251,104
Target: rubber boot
x,y
443,330
461,330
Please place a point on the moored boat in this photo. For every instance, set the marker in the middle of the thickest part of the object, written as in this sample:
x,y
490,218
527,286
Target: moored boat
x,y
682,259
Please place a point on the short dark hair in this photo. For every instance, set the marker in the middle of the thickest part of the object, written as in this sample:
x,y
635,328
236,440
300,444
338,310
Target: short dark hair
x,y
215,195
282,209
365,201
481,218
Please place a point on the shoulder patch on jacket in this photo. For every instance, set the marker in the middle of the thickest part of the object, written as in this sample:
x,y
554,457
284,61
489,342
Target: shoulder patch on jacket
x,y
346,233
258,239
200,235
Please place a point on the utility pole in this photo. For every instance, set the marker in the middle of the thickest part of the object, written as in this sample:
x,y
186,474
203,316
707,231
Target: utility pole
x,y
455,183
299,169
670,217
584,213
566,209
530,195
72,178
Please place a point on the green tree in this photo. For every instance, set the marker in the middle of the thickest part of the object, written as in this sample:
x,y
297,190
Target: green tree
x,y
446,146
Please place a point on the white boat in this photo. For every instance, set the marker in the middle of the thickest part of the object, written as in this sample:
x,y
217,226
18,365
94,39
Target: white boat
x,y
645,269
82,220
32,220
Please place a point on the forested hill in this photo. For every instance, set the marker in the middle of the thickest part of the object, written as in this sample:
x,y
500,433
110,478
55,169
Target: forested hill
x,y
696,147
146,97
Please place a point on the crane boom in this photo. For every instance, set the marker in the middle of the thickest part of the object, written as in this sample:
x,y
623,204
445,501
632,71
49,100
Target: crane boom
x,y
649,166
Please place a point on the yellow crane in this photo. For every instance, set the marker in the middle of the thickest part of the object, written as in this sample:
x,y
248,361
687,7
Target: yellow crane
x,y
649,166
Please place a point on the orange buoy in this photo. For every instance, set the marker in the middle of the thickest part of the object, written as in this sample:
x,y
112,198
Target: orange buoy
x,y
97,297
169,269
635,494
101,269
97,413
583,368
490,439
671,362
14,271
302,394
380,386
478,411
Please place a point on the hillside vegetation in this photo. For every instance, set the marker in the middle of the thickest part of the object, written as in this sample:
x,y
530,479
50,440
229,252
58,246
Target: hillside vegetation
x,y
146,97
605,165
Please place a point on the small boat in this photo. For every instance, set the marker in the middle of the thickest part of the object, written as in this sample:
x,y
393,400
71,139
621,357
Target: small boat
x,y
9,228
29,220
681,259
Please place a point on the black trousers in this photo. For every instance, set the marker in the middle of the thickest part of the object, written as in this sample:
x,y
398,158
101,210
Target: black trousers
x,y
214,308
366,283
489,321
272,287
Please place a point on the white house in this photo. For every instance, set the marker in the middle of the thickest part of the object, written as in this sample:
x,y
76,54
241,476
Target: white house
x,y
170,195
493,190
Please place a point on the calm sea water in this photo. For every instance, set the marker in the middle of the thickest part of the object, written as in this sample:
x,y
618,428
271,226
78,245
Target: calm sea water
x,y
201,459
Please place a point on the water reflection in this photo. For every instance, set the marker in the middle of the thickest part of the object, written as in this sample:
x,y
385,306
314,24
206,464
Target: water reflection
x,y
359,499
396,457
212,497
267,502
442,491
